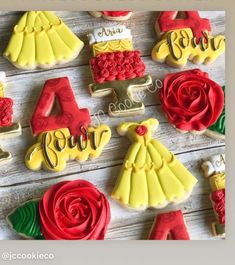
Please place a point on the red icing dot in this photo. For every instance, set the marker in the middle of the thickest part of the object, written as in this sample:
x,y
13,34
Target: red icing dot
x,y
141,130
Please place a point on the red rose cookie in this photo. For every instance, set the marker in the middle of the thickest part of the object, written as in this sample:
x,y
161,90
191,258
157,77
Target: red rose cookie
x,y
7,127
191,101
214,169
69,210
186,38
112,15
65,136
169,225
117,69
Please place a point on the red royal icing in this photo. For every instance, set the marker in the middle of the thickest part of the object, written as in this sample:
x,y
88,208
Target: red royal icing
x,y
74,210
171,223
190,100
6,111
115,13
71,116
118,65
141,130
218,197
167,21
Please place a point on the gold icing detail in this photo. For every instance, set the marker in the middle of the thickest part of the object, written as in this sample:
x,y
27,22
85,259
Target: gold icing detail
x,y
178,46
112,46
151,176
217,182
41,39
109,32
54,148
4,156
124,104
10,131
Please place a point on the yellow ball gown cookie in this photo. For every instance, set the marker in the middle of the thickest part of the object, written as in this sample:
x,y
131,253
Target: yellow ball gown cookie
x,y
151,176
41,39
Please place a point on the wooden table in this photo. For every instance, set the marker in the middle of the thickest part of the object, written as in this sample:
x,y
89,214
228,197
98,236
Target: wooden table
x,y
18,184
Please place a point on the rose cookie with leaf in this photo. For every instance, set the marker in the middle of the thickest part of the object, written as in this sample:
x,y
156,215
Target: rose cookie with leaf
x,y
112,15
41,39
191,101
69,210
118,70
186,38
64,136
8,128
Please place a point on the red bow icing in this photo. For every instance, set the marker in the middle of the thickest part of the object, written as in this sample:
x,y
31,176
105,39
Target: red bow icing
x,y
190,100
74,210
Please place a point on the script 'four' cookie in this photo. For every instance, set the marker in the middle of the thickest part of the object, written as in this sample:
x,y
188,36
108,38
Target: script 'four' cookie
x,y
41,39
65,136
117,69
183,39
151,176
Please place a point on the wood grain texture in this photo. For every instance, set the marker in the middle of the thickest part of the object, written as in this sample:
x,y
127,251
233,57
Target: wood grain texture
x,y
18,184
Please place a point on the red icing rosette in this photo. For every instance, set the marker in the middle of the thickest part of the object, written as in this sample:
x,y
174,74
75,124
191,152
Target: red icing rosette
x,y
190,100
218,197
6,111
115,13
74,210
141,130
118,65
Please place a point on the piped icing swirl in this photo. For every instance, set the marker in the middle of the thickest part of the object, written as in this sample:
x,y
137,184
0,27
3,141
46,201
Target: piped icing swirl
x,y
190,100
74,210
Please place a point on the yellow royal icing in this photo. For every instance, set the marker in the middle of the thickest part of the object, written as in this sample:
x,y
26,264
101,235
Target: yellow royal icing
x,y
41,39
112,46
178,46
151,176
54,148
217,182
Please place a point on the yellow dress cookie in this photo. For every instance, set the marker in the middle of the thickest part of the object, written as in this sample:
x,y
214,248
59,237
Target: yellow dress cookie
x,y
41,39
151,176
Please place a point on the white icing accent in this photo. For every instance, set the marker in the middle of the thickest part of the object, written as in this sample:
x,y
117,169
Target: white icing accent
x,y
214,165
2,77
109,33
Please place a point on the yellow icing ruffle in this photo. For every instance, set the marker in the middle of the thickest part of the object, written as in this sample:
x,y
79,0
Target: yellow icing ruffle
x,y
217,182
151,176
41,39
112,46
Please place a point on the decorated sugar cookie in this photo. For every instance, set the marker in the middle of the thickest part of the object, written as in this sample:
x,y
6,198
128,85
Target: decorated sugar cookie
x,y
8,128
217,130
41,39
69,210
214,169
117,69
191,101
170,225
187,38
66,136
112,15
151,176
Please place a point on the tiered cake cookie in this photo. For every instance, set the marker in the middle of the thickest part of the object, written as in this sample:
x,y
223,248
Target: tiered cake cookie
x,y
151,176
191,101
66,136
112,15
117,69
186,38
41,39
214,169
69,210
170,225
7,127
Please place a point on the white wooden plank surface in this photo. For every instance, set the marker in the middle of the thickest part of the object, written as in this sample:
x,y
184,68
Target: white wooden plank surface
x,y
18,184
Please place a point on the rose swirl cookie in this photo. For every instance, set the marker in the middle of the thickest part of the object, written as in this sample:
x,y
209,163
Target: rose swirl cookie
x,y
69,210
186,38
112,15
65,136
191,101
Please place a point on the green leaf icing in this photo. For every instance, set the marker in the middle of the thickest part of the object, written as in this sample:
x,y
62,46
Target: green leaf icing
x,y
219,126
25,220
